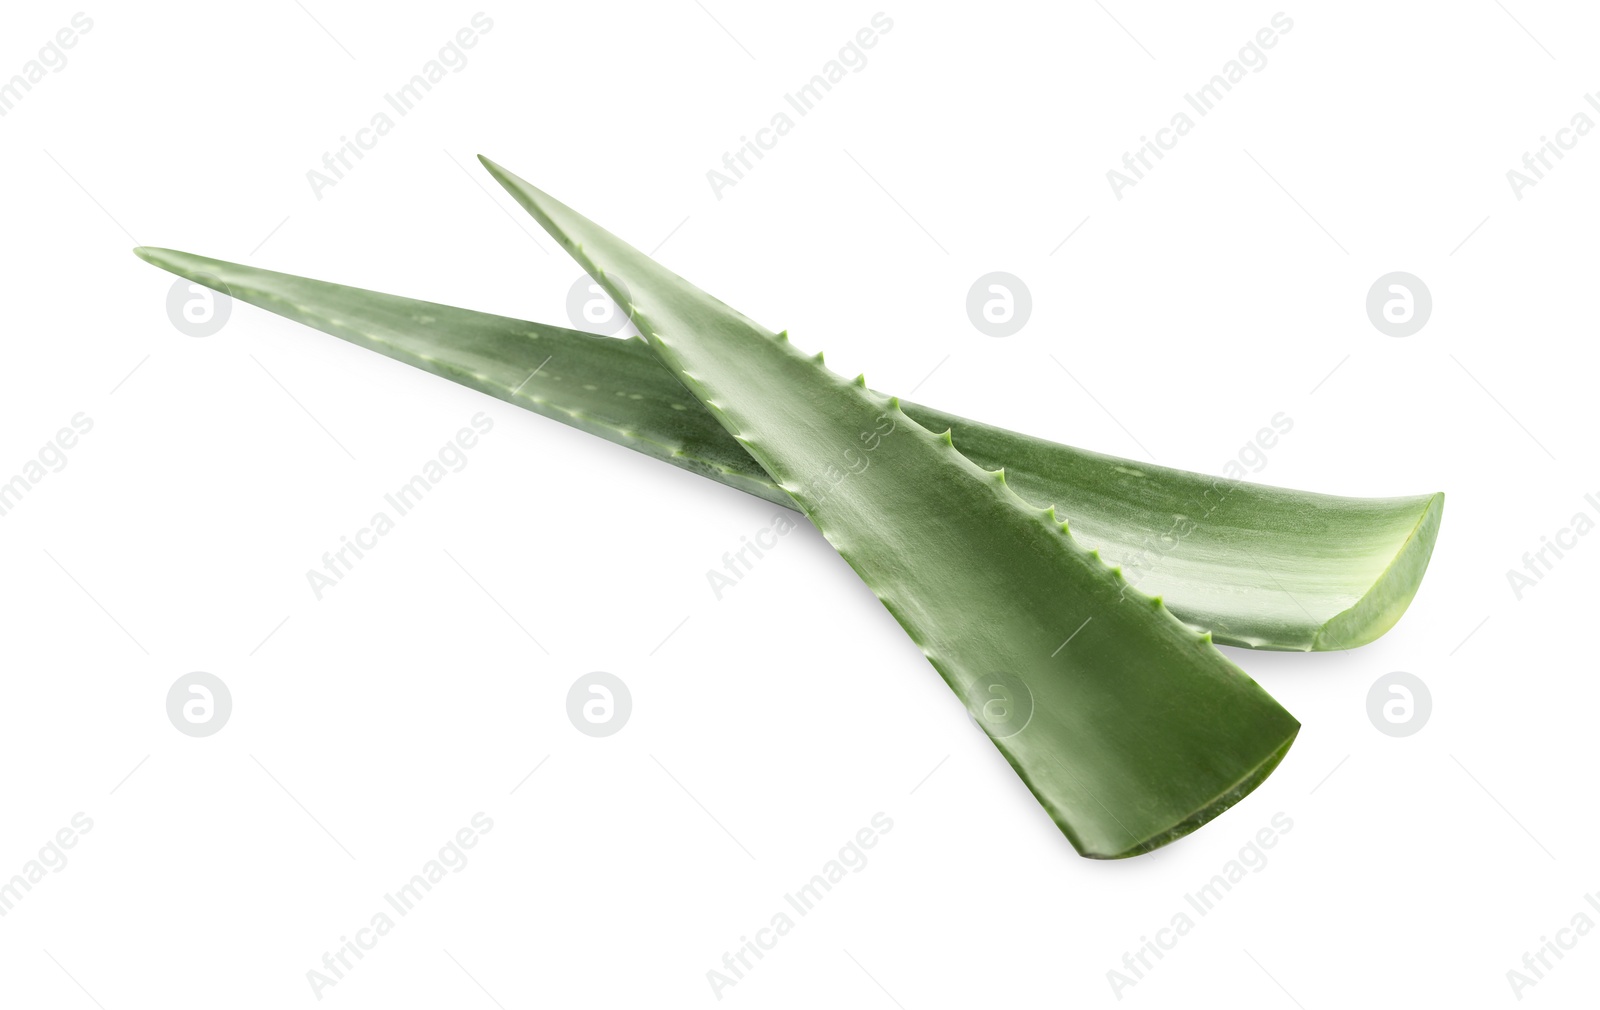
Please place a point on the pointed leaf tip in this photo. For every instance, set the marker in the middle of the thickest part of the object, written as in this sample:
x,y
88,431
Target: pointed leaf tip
x,y
493,169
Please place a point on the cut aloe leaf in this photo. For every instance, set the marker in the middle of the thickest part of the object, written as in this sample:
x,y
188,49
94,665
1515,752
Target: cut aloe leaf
x,y
1129,727
1257,566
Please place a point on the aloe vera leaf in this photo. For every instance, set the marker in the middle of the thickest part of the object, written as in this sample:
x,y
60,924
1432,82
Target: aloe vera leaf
x,y
1257,566
1138,730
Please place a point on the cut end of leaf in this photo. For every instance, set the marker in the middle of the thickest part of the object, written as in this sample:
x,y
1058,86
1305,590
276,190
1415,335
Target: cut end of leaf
x,y
1383,604
1210,811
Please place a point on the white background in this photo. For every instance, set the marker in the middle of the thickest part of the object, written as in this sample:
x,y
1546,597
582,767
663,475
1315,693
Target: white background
x,y
770,726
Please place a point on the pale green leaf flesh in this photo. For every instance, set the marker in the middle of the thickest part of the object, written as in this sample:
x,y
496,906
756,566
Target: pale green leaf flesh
x,y
1256,566
1138,730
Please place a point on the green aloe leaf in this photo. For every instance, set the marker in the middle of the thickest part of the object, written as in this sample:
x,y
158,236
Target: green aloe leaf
x,y
1129,727
1257,566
